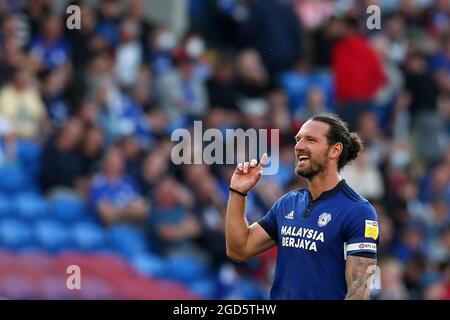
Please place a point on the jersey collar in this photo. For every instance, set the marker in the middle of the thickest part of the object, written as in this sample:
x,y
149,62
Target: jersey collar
x,y
328,193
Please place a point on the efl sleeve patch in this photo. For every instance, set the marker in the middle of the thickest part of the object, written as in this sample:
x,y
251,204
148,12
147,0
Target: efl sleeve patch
x,y
362,247
371,230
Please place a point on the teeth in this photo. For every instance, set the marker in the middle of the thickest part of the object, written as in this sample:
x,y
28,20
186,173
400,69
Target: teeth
x,y
303,158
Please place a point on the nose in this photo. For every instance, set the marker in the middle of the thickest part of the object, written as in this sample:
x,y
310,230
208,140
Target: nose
x,y
300,145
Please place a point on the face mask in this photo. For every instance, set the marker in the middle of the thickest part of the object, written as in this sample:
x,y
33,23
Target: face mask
x,y
166,41
400,159
195,47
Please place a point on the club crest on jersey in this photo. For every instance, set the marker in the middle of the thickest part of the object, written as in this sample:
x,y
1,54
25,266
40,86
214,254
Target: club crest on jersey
x,y
324,218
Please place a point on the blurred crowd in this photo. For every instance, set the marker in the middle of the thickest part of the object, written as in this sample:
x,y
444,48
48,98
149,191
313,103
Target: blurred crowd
x,y
98,106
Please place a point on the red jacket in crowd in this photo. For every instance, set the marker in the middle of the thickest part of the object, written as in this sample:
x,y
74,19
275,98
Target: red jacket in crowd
x,y
357,70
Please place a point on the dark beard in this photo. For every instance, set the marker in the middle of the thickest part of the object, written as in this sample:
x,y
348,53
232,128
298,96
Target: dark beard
x,y
316,168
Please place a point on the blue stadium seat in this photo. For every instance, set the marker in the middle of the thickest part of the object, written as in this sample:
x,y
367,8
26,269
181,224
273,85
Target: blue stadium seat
x,y
186,268
127,240
28,151
29,154
12,178
14,234
296,86
67,208
88,236
30,205
52,235
5,206
205,288
150,265
324,81
247,290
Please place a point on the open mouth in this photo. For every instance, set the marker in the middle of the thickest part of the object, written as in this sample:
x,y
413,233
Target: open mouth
x,y
302,159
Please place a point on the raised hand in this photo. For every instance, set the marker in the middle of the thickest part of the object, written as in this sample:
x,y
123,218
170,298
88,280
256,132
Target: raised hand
x,y
247,174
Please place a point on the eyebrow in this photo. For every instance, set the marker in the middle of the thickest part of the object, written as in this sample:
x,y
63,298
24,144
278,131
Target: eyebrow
x,y
297,137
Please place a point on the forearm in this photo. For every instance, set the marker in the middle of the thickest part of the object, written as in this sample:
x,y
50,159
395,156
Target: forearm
x,y
358,277
358,291
136,210
236,226
109,215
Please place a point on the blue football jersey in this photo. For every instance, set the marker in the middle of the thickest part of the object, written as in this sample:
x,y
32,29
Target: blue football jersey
x,y
314,238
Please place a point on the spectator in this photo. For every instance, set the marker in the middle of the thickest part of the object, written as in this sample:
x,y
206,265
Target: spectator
x,y
21,103
119,115
61,160
222,91
374,142
395,38
279,112
414,269
53,95
392,287
180,94
154,168
50,50
130,149
173,228
193,47
11,59
302,79
411,243
129,54
13,29
35,12
210,209
81,40
386,96
114,196
386,234
108,20
91,148
440,66
432,286
315,104
420,84
135,11
253,81
357,70
273,30
162,41
364,177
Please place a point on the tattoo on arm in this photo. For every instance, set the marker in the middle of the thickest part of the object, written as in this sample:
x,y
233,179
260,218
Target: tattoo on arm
x,y
357,275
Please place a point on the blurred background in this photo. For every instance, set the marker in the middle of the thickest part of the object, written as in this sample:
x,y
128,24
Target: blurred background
x,y
86,117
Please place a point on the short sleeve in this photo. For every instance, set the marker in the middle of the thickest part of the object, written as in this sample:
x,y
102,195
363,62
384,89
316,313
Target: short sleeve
x,y
361,231
269,223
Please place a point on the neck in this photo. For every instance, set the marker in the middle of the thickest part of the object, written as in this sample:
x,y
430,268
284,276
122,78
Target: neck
x,y
323,182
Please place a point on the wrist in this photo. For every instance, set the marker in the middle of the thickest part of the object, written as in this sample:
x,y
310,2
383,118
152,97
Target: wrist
x,y
244,194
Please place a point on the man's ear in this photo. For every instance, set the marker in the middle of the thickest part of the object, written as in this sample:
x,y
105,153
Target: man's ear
x,y
336,150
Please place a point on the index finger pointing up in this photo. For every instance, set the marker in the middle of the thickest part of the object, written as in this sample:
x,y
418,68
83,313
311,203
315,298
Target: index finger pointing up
x,y
263,161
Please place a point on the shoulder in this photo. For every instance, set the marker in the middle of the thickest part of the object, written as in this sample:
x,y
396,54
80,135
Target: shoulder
x,y
357,204
98,181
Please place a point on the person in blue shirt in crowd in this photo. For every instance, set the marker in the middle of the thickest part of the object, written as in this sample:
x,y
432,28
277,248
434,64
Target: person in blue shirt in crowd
x,y
114,196
326,235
